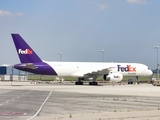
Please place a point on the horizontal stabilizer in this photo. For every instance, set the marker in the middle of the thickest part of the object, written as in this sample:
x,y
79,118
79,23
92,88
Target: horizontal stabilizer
x,y
28,66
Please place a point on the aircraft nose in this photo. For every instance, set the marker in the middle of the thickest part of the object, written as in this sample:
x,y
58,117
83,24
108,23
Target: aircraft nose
x,y
150,72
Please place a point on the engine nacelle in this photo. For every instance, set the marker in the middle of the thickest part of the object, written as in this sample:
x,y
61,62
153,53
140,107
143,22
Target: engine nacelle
x,y
113,77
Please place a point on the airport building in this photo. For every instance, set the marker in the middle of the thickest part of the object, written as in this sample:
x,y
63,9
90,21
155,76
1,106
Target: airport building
x,y
8,73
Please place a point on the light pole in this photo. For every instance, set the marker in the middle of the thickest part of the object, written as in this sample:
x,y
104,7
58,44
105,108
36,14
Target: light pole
x,y
60,54
157,47
102,54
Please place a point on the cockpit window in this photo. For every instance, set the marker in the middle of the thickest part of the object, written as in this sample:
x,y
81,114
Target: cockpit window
x,y
148,69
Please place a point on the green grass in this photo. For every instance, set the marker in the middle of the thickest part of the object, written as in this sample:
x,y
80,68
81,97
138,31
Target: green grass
x,y
49,78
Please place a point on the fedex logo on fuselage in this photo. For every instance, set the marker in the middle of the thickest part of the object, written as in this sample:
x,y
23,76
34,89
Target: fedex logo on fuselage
x,y
128,68
117,76
26,51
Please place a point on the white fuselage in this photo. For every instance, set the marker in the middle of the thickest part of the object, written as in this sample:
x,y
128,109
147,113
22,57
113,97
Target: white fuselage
x,y
79,69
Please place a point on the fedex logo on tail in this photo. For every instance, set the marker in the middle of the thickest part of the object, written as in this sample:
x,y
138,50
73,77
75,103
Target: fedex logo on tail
x,y
26,51
128,68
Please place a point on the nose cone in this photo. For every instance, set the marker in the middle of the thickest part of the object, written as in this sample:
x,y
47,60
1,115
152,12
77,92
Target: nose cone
x,y
150,72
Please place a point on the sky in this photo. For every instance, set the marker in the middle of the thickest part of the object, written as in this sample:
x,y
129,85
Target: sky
x,y
126,30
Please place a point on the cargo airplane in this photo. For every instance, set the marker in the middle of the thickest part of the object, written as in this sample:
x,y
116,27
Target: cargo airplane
x,y
112,72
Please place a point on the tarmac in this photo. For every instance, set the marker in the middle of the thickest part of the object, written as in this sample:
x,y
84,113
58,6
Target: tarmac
x,y
26,101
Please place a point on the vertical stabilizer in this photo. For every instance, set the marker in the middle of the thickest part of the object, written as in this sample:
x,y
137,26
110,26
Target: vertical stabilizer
x,y
24,51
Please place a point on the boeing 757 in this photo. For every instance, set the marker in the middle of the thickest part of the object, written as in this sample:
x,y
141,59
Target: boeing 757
x,y
112,72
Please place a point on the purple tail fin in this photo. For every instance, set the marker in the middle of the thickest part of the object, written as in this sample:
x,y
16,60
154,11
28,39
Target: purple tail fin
x,y
25,52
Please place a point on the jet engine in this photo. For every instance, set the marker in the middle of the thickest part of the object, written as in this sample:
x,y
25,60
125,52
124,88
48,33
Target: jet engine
x,y
113,77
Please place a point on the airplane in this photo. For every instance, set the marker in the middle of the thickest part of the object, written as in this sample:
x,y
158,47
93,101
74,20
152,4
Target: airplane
x,y
109,71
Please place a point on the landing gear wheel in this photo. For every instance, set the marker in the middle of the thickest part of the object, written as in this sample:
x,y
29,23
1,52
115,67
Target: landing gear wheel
x,y
78,83
93,83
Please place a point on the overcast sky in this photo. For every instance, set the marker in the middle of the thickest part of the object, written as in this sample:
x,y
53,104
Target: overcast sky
x,y
126,29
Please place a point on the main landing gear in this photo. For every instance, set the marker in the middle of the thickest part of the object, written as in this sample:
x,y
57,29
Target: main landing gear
x,y
79,82
93,83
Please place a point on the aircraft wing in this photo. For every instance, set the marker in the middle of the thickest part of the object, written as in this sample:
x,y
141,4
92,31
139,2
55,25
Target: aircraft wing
x,y
91,73
99,72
